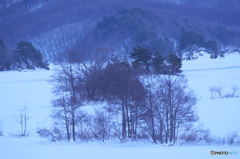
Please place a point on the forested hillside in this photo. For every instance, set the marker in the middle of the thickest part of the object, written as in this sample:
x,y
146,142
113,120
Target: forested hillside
x,y
55,25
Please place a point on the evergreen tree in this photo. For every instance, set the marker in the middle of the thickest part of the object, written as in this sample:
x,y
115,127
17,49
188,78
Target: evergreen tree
x,y
174,64
142,57
28,57
158,63
2,54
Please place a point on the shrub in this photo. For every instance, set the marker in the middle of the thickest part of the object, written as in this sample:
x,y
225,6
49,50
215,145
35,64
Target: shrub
x,y
196,136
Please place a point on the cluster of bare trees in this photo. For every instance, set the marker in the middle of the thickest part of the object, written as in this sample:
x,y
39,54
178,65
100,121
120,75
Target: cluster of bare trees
x,y
231,138
170,106
137,105
218,91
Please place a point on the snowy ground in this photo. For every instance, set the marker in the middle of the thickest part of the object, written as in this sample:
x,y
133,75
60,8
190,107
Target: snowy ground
x,y
220,115
35,148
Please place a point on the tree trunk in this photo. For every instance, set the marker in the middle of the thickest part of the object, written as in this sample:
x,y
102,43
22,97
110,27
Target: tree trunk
x,y
73,126
171,108
161,131
152,117
123,122
166,139
25,124
128,124
136,122
67,128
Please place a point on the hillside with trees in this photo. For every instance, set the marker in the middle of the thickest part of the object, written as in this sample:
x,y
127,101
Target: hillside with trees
x,y
53,26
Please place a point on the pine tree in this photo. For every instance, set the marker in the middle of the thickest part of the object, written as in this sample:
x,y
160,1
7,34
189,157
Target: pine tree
x,y
142,57
28,57
158,63
174,64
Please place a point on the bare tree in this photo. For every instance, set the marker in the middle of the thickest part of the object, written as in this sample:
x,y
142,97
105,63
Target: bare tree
x,y
84,125
216,90
91,69
22,119
232,137
213,92
61,112
100,125
150,116
219,90
67,81
179,103
172,106
235,88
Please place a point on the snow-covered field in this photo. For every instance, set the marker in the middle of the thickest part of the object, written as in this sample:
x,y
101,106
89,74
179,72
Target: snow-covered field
x,y
32,88
34,148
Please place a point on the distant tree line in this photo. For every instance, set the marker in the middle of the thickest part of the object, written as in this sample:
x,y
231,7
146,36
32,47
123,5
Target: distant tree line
x,y
146,99
25,56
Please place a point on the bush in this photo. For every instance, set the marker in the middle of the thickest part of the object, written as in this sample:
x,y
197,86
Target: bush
x,y
196,136
54,134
